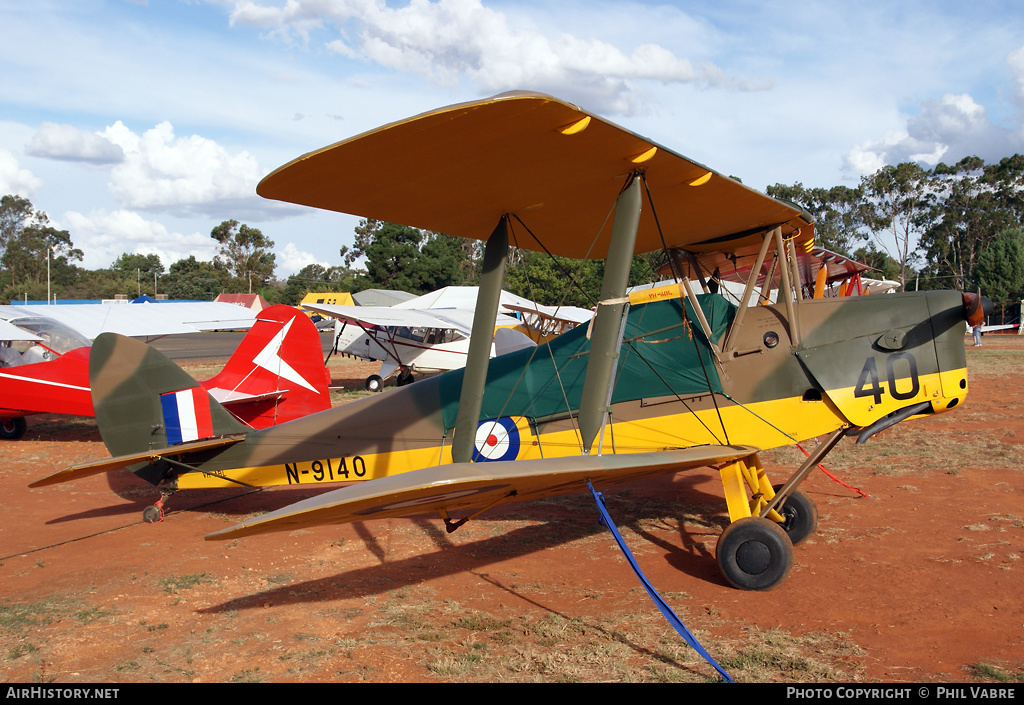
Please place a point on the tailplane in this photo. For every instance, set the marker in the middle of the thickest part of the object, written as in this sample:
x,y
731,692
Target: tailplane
x,y
277,373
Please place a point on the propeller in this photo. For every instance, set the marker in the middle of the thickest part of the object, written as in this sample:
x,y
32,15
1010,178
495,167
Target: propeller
x,y
976,307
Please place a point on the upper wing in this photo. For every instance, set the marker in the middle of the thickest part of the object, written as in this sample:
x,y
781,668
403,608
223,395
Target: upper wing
x,y
388,316
9,331
150,319
736,266
473,485
458,170
456,319
562,314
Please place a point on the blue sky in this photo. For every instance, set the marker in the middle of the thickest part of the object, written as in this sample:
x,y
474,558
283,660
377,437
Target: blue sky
x,y
139,126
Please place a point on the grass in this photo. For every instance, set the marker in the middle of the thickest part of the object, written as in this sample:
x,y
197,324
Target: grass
x,y
174,583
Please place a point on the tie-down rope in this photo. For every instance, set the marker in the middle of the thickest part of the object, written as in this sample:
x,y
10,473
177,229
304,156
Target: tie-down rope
x,y
676,623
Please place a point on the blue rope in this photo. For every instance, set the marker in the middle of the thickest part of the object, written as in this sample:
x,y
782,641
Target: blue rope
x,y
662,605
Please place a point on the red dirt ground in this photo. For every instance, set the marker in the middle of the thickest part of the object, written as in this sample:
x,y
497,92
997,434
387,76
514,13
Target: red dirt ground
x,y
920,581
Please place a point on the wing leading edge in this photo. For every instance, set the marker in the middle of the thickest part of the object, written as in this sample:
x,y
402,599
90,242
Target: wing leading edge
x,y
462,486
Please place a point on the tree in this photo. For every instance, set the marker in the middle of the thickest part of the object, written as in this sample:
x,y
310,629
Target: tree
x,y
897,209
406,259
194,279
1000,270
552,280
36,256
836,211
138,270
244,252
15,214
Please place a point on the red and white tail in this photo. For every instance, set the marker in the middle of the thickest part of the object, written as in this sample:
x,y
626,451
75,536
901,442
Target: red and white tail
x,y
277,373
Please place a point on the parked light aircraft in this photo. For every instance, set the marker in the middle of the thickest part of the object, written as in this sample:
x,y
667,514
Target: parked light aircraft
x,y
425,335
276,373
681,381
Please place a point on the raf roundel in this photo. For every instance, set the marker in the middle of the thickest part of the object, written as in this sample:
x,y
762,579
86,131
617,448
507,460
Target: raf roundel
x,y
497,439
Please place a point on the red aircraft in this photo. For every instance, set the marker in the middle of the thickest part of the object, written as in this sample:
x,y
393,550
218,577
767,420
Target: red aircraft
x,y
275,375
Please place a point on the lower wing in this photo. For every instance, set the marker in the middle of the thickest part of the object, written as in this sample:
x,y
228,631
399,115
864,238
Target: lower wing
x,y
460,486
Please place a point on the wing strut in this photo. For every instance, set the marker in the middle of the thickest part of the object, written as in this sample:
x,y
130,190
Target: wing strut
x,y
605,333
474,378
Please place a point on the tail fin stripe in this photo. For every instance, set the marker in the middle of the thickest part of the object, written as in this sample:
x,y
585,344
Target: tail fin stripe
x,y
186,415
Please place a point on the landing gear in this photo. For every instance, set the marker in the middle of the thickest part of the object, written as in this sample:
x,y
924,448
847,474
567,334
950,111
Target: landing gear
x,y
12,428
755,554
404,377
374,383
155,512
800,514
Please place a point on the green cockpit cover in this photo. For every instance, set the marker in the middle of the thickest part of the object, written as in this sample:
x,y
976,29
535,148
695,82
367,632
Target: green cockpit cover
x,y
661,355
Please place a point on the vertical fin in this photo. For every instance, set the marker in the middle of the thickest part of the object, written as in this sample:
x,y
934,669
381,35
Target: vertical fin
x,y
136,392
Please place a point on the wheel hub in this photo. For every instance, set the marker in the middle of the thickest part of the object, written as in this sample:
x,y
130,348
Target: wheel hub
x,y
753,557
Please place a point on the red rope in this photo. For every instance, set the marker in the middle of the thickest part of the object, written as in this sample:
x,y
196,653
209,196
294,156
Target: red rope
x,y
836,479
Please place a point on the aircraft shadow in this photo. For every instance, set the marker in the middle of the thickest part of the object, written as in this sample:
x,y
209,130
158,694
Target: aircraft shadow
x,y
565,519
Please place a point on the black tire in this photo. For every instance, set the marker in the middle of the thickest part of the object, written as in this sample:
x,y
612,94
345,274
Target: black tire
x,y
374,383
801,515
12,428
755,554
404,377
151,514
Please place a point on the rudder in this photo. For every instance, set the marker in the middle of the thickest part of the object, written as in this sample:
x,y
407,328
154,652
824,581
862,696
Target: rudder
x,y
144,401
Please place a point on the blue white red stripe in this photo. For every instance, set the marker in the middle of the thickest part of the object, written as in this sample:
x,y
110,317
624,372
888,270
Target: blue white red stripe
x,y
186,415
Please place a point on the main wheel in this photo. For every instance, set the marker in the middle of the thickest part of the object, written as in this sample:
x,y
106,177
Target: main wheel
x,y
12,428
374,383
404,377
755,554
801,515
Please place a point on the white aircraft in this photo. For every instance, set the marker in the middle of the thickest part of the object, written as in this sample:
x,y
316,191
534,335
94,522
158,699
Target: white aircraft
x,y
409,339
143,320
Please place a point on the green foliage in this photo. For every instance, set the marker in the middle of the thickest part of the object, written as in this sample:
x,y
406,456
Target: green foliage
x,y
36,257
836,212
406,259
245,253
1000,269
193,279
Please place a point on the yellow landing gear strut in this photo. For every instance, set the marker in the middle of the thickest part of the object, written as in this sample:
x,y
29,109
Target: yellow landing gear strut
x,y
755,552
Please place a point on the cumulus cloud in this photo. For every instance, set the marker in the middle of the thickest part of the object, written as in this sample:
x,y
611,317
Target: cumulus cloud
x,y
104,236
946,130
15,180
290,259
447,41
70,143
162,172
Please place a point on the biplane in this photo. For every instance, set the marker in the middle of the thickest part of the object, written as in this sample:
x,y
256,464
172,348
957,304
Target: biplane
x,y
276,373
414,337
657,383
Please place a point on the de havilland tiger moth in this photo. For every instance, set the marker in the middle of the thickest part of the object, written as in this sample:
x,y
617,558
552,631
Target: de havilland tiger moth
x,y
664,381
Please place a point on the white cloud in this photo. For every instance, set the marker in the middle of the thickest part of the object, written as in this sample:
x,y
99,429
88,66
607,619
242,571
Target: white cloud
x,y
70,143
15,180
1015,60
104,236
161,172
447,41
290,259
948,130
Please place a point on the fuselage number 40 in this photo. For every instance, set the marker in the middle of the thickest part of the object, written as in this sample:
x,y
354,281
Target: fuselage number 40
x,y
901,366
